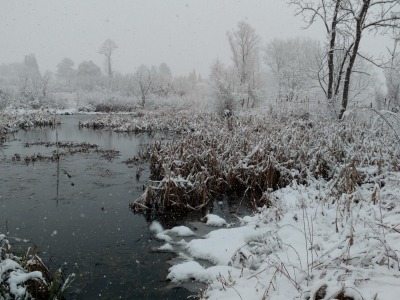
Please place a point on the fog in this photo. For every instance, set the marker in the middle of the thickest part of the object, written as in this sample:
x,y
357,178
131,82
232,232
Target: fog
x,y
184,34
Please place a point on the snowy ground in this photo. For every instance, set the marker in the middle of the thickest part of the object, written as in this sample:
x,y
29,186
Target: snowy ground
x,y
308,244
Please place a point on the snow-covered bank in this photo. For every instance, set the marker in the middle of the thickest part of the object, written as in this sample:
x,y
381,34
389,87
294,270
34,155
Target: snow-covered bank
x,y
329,227
310,243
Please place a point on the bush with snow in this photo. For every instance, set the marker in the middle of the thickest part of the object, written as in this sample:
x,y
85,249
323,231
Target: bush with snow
x,y
27,277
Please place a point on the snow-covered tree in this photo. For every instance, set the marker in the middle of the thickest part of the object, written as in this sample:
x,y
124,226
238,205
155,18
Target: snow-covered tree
x,y
144,79
245,47
223,88
165,71
89,75
31,67
89,69
163,85
294,65
65,70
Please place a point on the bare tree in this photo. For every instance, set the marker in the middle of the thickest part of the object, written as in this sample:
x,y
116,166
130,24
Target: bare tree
x,y
350,19
293,63
106,49
330,14
376,15
144,78
245,47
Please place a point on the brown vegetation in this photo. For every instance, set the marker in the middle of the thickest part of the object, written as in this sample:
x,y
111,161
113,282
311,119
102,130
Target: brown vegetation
x,y
253,154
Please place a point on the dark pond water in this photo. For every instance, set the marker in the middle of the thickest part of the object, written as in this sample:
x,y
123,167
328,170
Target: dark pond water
x,y
77,214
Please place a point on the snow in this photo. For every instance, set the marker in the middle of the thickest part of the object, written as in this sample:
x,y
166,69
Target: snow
x,y
161,234
7,265
219,246
180,231
156,227
214,220
166,247
163,237
17,277
184,271
303,247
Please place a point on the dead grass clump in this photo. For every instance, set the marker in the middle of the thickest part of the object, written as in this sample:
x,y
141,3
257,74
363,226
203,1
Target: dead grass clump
x,y
188,174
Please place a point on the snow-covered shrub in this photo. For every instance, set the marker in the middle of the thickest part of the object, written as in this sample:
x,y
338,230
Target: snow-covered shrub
x,y
26,276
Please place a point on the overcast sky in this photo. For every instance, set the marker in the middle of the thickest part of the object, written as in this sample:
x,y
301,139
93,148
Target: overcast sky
x,y
185,34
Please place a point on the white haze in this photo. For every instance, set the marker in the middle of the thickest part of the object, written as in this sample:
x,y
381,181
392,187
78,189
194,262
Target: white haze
x,y
186,35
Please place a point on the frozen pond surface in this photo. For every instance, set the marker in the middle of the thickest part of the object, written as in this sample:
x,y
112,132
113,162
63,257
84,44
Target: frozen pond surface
x,y
76,213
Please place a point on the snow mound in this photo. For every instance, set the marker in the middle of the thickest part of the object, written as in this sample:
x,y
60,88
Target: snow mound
x,y
156,227
163,237
214,220
166,247
184,271
181,231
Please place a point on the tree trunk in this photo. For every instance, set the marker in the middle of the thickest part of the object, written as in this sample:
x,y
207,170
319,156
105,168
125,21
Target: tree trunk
x,y
360,22
109,66
143,100
331,69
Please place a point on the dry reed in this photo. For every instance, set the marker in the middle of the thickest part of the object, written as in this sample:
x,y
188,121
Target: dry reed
x,y
251,154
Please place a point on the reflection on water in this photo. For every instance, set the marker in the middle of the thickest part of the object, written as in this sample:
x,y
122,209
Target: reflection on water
x,y
76,212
